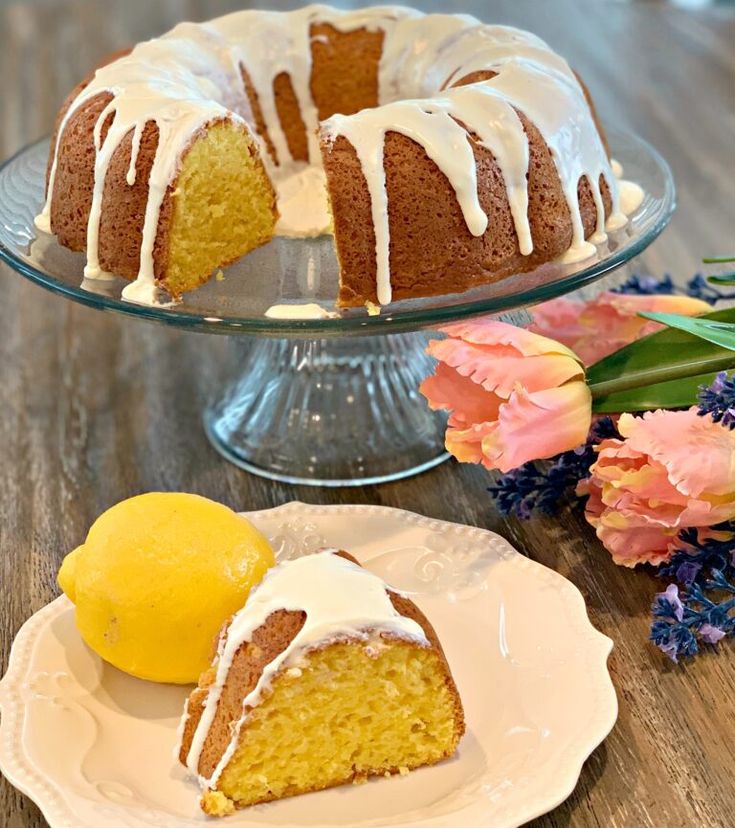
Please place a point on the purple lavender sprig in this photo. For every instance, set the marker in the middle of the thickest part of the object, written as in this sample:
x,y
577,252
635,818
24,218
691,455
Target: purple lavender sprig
x,y
647,285
703,564
698,555
523,491
697,287
701,614
535,487
671,630
718,399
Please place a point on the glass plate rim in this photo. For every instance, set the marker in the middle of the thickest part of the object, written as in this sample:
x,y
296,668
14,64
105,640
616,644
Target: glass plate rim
x,y
384,323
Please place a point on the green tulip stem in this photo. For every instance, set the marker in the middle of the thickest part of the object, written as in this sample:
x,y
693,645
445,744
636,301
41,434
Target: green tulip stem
x,y
653,376
718,259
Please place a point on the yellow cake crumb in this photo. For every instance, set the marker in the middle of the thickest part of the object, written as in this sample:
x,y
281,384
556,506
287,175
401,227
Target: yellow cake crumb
x,y
385,710
225,206
215,803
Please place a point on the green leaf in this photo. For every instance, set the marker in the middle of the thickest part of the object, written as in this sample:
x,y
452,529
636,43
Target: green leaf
x,y
722,279
661,357
719,333
678,393
718,259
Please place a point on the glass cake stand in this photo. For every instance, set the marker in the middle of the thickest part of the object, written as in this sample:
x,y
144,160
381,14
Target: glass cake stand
x,y
327,401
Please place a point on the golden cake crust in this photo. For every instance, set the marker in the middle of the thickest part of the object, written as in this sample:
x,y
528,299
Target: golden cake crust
x,y
344,69
432,251
339,83
123,205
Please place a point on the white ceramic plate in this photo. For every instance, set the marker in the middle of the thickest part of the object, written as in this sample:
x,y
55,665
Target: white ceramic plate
x,y
94,747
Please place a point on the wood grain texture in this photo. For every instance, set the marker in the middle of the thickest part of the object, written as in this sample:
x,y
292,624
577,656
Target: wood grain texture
x,y
95,407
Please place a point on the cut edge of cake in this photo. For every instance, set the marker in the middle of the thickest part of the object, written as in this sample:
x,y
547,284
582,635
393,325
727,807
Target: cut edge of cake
x,y
376,693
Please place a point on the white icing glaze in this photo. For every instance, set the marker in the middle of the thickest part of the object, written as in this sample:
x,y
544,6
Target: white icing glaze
x,y
341,601
144,291
631,197
303,205
307,310
192,77
550,99
410,53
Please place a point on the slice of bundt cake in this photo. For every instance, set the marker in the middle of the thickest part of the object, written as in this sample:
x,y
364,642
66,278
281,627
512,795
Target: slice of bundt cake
x,y
172,224
327,676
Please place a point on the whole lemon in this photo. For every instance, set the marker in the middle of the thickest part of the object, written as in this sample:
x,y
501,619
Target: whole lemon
x,y
157,576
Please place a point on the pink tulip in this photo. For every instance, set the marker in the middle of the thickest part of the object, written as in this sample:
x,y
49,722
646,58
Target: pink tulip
x,y
595,328
672,470
513,396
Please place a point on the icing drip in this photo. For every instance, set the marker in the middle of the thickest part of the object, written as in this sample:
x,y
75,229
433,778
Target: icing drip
x,y
557,107
281,45
270,43
553,101
481,48
193,76
341,601
445,141
631,197
410,53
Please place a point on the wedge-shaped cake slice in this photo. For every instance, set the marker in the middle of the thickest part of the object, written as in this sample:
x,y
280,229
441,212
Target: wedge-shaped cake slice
x,y
327,676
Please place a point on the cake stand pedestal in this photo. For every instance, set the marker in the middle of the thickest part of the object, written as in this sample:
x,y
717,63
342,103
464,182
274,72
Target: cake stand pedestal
x,y
333,412
325,401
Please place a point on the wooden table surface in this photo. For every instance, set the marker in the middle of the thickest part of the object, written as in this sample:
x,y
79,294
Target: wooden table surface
x,y
95,407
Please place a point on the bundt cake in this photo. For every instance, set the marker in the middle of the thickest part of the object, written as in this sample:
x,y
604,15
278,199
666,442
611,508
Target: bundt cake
x,y
453,153
327,676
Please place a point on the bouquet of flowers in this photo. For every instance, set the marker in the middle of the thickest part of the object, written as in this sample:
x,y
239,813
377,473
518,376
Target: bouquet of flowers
x,y
623,404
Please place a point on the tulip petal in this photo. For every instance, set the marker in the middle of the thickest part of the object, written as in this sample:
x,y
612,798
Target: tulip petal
x,y
559,319
630,303
538,425
698,454
466,444
469,403
498,369
596,328
630,547
487,331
